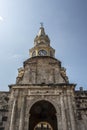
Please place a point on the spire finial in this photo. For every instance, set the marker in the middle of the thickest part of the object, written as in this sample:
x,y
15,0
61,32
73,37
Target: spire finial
x,y
41,24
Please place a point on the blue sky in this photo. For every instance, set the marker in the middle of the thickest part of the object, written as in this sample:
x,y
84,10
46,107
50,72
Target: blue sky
x,y
65,22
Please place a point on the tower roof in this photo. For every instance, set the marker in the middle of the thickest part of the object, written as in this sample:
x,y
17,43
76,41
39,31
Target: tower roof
x,y
41,32
41,37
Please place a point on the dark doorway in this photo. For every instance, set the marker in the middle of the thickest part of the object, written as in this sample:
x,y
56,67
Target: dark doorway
x,y
42,116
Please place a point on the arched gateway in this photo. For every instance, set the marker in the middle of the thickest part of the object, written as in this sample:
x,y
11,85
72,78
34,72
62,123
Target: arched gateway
x,y
42,116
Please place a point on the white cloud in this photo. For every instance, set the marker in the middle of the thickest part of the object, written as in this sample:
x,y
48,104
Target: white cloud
x,y
12,56
1,18
16,56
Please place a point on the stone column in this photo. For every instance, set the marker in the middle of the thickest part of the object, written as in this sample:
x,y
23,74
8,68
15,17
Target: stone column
x,y
21,121
84,122
12,122
67,113
27,114
64,125
71,113
59,124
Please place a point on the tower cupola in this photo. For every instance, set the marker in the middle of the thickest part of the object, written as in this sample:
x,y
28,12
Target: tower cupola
x,y
41,37
42,45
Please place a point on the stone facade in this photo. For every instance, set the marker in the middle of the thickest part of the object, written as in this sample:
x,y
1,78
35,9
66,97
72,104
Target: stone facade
x,y
33,71
42,97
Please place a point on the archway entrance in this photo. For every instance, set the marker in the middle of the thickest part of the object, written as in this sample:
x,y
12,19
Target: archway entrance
x,y
42,116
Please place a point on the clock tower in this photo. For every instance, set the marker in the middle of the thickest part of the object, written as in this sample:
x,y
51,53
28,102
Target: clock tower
x,y
42,97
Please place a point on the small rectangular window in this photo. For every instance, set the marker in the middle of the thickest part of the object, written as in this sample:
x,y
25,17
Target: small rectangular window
x,y
4,118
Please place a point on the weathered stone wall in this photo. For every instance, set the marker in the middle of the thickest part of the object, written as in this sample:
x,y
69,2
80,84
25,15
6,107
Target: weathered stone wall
x,y
71,105
38,70
4,108
81,109
23,97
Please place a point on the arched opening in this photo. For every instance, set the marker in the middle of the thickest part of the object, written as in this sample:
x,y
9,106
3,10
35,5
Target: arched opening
x,y
42,116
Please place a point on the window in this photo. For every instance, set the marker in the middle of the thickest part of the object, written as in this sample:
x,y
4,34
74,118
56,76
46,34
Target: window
x,y
4,118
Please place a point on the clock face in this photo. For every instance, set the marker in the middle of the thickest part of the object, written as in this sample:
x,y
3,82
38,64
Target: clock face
x,y
42,53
